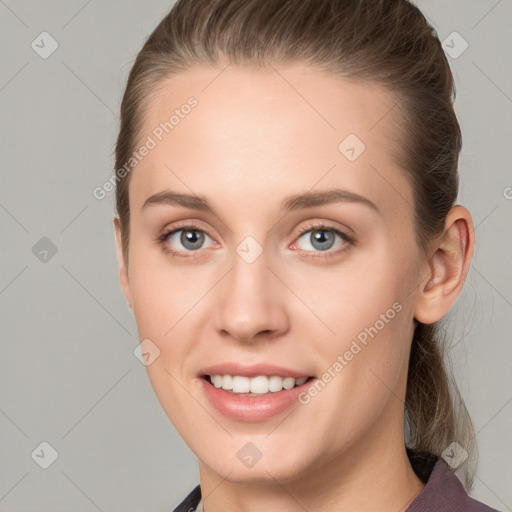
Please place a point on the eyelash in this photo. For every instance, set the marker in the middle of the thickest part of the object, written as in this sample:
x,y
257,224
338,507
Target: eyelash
x,y
349,240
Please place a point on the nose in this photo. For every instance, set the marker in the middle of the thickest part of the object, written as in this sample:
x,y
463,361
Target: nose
x,y
252,302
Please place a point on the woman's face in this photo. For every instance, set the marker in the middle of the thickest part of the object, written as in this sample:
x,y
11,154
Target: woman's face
x,y
293,256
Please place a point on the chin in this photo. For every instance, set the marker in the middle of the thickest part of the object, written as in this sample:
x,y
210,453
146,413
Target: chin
x,y
277,463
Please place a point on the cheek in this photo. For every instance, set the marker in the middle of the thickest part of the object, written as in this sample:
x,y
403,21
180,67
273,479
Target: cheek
x,y
163,293
365,339
353,296
362,383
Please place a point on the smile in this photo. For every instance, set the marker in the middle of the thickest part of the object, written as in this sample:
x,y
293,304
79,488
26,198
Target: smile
x,y
254,393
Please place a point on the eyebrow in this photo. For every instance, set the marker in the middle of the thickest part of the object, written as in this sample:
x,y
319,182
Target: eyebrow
x,y
291,203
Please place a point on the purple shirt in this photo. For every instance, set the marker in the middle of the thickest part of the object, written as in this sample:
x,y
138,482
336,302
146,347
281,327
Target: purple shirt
x,y
443,492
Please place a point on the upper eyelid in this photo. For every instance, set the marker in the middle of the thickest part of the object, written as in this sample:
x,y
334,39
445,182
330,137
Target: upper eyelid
x,y
320,226
184,226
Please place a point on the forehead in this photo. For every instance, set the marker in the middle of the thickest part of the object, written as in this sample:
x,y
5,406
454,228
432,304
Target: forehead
x,y
280,127
273,97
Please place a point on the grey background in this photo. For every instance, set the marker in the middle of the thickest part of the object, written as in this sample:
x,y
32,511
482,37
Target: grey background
x,y
68,373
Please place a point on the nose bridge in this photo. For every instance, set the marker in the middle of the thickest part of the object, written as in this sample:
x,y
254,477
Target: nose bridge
x,y
251,301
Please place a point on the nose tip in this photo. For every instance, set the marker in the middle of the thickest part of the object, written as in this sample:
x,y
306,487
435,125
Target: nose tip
x,y
247,333
251,303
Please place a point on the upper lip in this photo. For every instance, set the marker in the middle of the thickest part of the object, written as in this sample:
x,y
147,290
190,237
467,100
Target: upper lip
x,y
253,370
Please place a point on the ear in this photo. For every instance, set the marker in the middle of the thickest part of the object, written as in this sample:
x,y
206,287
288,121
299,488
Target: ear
x,y
123,270
446,268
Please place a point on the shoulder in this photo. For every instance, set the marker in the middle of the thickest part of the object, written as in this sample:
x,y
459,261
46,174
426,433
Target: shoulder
x,y
189,504
444,492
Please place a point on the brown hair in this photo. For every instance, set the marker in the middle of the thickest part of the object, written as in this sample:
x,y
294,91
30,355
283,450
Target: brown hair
x,y
386,42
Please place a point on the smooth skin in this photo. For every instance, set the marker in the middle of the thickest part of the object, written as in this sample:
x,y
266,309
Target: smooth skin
x,y
256,137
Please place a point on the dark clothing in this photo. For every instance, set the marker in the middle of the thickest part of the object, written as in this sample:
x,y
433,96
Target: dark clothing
x,y
189,504
443,492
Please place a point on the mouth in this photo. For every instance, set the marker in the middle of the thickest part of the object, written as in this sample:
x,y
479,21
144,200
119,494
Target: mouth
x,y
255,393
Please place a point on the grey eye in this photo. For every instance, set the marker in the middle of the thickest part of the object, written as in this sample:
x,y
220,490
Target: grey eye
x,y
190,239
321,239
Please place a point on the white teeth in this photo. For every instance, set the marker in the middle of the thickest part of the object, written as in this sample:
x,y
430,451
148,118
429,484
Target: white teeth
x,y
288,382
275,383
227,382
241,384
258,385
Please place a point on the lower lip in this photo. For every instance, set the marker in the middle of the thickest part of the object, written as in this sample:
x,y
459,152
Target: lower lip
x,y
252,408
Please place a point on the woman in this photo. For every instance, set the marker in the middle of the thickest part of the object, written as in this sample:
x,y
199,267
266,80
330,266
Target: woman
x,y
288,239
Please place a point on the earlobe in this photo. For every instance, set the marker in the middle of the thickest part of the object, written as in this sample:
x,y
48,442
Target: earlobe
x,y
123,270
446,268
